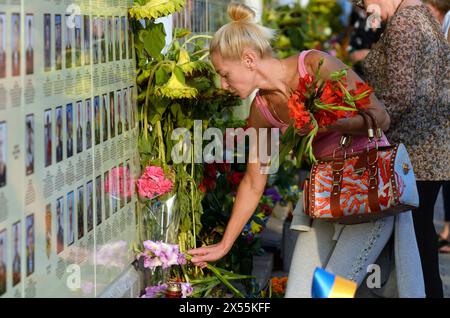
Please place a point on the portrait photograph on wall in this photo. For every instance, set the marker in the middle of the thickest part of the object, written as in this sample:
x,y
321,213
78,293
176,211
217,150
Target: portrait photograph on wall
x,y
58,42
106,194
87,39
89,206
2,45
112,115
97,119
79,126
3,262
102,37
30,244
133,107
48,137
88,123
80,211
78,40
16,43
95,40
47,42
69,130
29,144
29,44
59,225
70,218
117,39
125,107
98,199
122,38
48,230
69,40
59,134
16,253
119,112
3,153
105,126
110,39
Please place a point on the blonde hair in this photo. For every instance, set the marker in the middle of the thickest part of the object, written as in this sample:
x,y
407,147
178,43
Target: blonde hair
x,y
241,33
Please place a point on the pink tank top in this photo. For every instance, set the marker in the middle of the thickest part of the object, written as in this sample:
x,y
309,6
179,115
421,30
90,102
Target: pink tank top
x,y
324,143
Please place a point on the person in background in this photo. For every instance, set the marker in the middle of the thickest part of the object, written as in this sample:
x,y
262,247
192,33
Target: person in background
x,y
409,68
362,38
441,11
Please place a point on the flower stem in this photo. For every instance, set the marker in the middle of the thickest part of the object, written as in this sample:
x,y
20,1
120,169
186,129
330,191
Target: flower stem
x,y
224,281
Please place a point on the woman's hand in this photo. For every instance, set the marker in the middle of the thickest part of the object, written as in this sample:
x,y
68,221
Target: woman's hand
x,y
208,253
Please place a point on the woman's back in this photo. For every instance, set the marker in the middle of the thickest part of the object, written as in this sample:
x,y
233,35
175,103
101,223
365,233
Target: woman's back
x,y
409,69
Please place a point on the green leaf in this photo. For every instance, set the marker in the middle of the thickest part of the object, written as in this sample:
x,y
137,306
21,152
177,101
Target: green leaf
x,y
154,39
181,33
161,76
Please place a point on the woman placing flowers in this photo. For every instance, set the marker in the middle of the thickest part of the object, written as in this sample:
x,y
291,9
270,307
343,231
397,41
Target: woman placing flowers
x,y
242,55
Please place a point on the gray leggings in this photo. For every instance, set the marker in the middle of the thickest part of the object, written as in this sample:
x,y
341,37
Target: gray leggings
x,y
344,250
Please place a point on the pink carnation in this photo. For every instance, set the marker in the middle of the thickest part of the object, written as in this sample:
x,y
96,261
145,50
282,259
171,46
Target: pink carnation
x,y
153,183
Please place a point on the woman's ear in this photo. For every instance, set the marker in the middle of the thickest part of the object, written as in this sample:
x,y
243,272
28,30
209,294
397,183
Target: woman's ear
x,y
249,59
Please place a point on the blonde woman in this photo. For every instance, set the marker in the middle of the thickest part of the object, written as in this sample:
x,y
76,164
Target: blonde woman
x,y
242,56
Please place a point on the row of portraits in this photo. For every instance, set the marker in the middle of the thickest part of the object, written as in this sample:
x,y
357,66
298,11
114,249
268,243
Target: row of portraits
x,y
78,38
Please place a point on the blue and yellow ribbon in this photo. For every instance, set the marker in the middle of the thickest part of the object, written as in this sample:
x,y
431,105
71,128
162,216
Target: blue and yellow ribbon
x,y
328,285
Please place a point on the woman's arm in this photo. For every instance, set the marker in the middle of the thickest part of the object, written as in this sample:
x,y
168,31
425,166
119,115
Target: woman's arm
x,y
354,125
248,195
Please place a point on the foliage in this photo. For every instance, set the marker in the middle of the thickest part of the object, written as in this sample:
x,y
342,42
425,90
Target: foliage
x,y
315,26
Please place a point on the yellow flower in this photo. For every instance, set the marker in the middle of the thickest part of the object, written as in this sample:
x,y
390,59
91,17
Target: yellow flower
x,y
154,9
255,227
189,67
176,87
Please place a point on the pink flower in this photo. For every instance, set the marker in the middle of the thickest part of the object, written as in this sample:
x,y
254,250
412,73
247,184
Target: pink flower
x,y
162,254
186,290
153,183
154,291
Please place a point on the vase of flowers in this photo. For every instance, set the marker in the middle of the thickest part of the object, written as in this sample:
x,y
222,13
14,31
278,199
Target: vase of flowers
x,y
159,204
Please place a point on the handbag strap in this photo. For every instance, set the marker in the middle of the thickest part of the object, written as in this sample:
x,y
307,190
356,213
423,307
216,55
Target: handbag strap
x,y
369,159
372,160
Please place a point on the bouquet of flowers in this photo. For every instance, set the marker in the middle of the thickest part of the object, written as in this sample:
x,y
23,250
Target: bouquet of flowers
x,y
317,103
160,255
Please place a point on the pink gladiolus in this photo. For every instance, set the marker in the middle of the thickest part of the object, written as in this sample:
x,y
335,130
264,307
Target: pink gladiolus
x,y
186,290
162,254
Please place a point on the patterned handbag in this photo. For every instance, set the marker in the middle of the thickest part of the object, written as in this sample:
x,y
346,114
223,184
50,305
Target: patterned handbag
x,y
361,186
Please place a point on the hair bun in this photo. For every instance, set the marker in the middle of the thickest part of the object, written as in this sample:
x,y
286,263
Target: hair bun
x,y
239,12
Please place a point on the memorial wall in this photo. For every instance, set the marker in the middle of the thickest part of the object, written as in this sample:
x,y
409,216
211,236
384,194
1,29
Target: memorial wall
x,y
68,130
